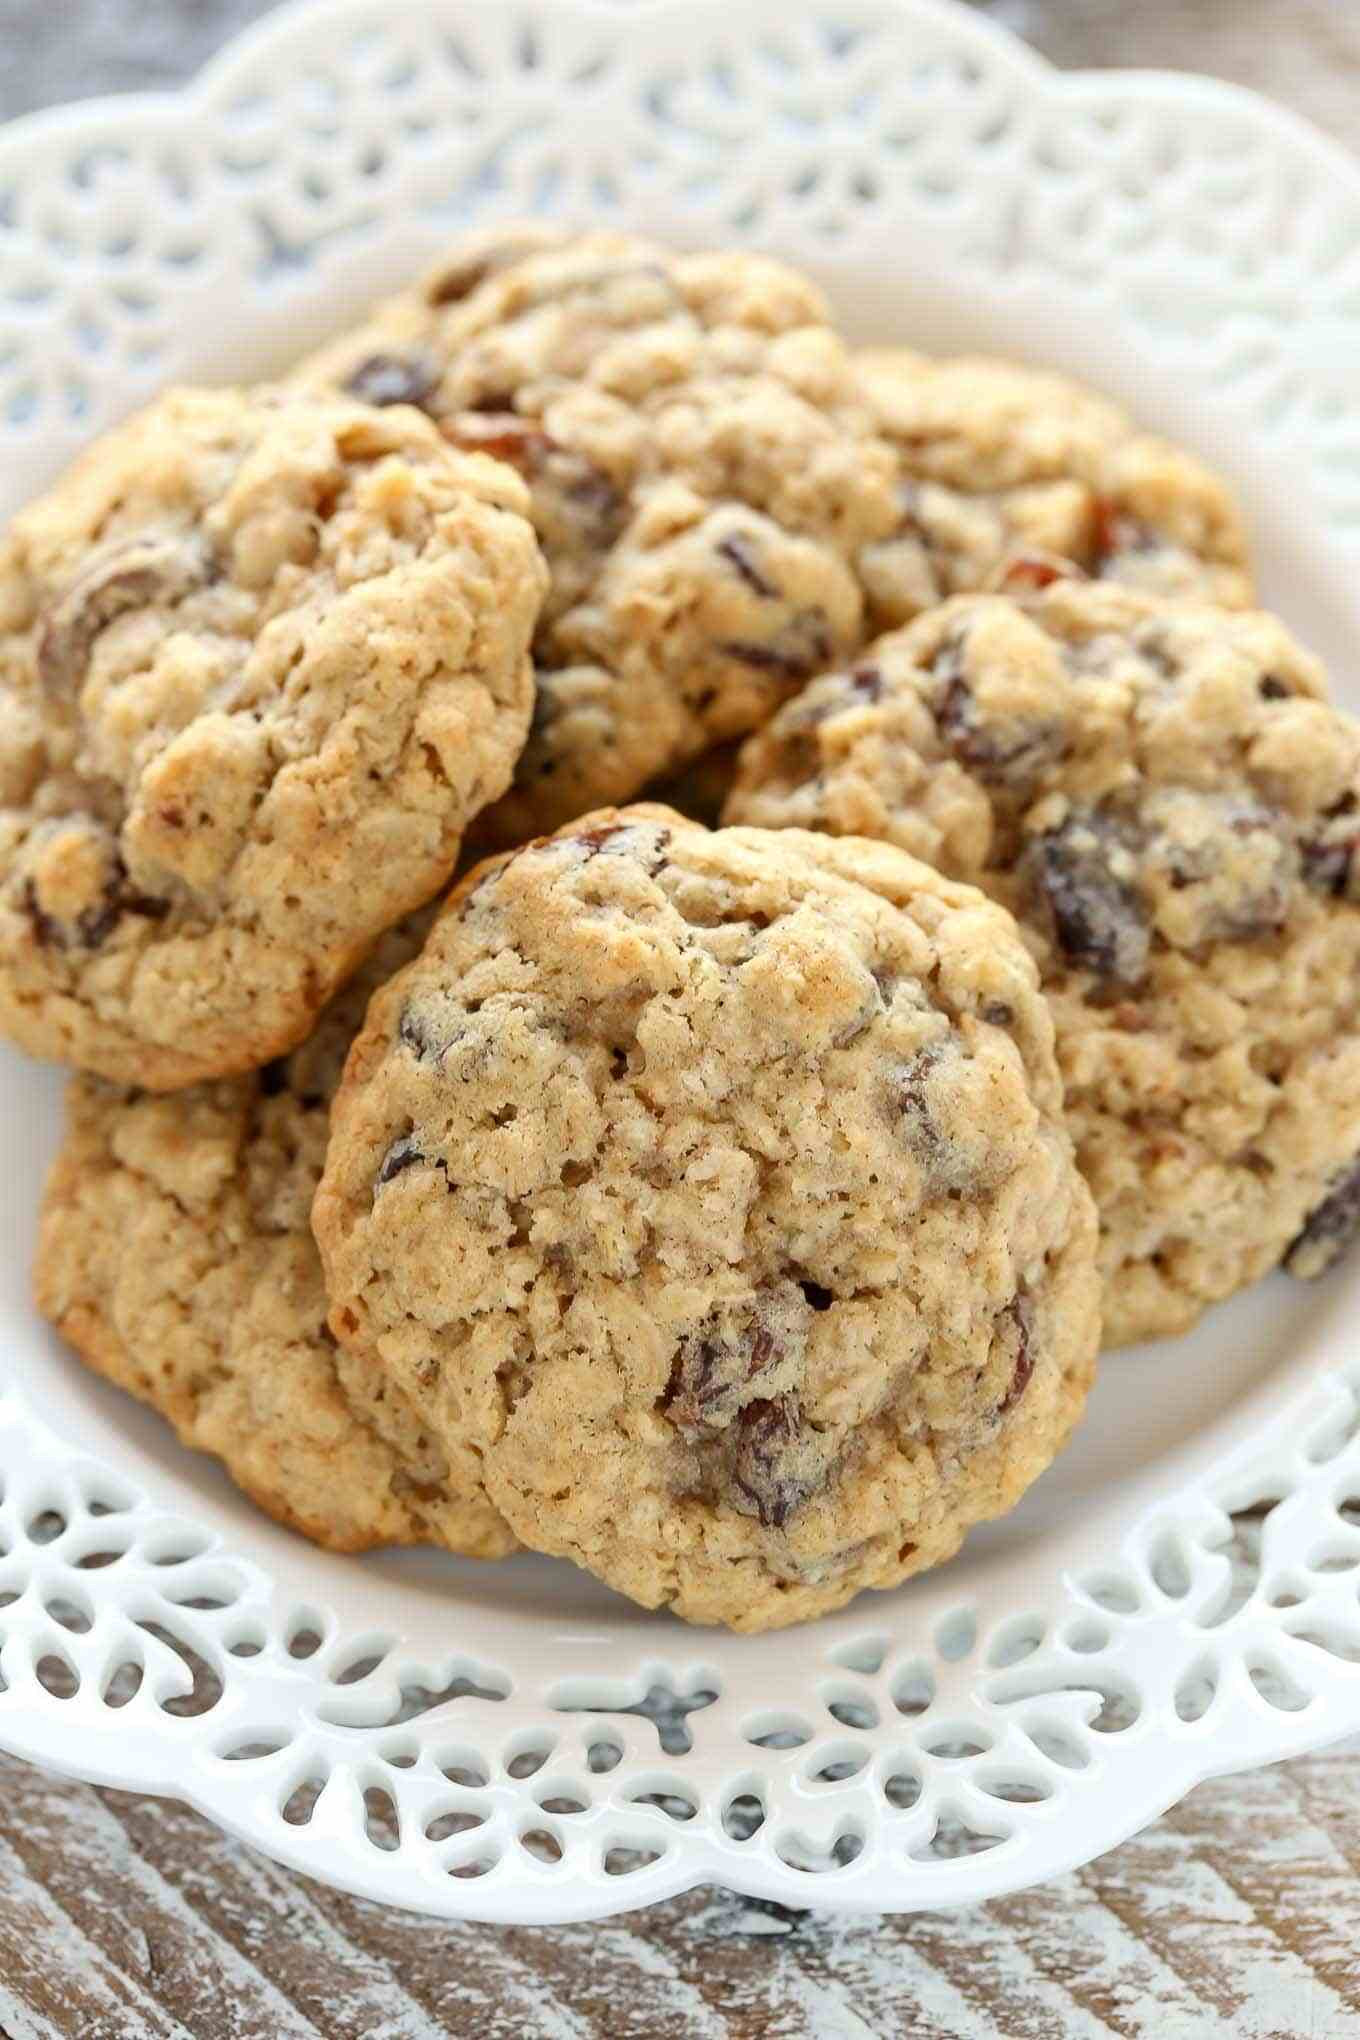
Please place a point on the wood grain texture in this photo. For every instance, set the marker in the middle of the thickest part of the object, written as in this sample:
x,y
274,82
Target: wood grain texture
x,y
1238,1915
1235,1918
1303,52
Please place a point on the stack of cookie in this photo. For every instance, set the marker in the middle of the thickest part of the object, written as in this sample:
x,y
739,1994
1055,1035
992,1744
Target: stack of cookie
x,y
715,1206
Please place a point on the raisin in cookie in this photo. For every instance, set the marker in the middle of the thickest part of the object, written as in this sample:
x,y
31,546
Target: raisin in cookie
x,y
176,1256
261,659
703,478
1006,471
1165,799
712,1186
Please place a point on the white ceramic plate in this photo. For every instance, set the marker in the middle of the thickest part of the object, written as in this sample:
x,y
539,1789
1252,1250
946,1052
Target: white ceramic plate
x,y
513,1742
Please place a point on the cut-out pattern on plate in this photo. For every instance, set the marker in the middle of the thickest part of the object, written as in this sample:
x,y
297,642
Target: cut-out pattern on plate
x,y
939,1746
406,1776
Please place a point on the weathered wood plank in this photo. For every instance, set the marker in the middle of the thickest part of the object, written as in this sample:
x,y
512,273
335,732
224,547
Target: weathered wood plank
x,y
597,1968
135,1918
268,1918
1304,52
1295,1887
54,1980
124,1918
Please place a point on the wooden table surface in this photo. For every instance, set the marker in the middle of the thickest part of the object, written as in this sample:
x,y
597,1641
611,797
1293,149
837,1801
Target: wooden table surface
x,y
1238,1915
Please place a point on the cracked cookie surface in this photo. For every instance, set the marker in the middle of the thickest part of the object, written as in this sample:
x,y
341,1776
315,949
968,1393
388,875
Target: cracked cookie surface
x,y
1165,799
262,657
712,1187
1008,471
702,473
176,1256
